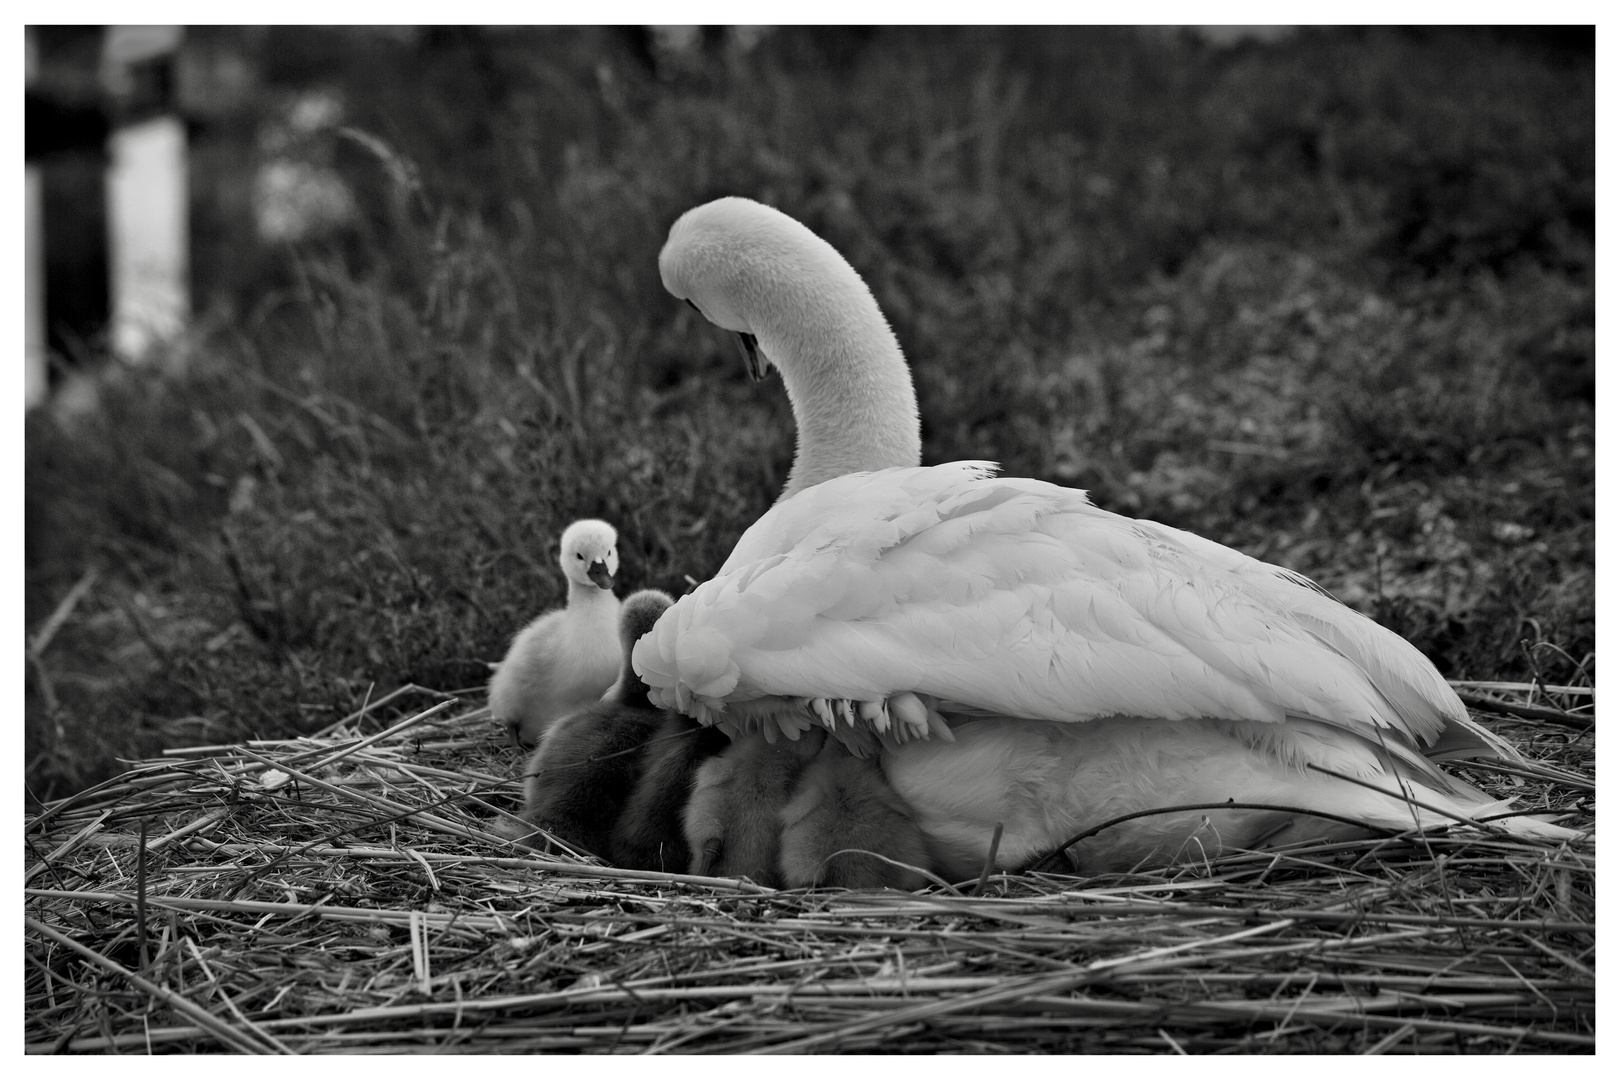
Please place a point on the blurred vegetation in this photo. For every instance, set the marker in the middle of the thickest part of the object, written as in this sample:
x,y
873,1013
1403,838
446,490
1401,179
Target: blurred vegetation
x,y
1329,301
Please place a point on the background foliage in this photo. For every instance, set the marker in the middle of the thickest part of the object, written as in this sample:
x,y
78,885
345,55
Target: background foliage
x,y
1329,301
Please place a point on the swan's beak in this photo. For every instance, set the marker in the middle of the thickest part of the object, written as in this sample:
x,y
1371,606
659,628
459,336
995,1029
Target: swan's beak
x,y
598,572
758,365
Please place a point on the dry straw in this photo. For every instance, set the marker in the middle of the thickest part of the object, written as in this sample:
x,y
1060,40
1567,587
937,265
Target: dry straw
x,y
343,893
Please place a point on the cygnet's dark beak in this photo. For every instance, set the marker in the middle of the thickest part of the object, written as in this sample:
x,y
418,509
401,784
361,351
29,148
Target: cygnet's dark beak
x,y
514,732
757,364
598,572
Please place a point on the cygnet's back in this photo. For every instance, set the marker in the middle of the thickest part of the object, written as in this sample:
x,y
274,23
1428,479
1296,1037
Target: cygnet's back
x,y
649,833
733,821
844,808
588,762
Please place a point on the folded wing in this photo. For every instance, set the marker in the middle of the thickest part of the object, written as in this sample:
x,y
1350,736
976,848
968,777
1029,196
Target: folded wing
x,y
1019,598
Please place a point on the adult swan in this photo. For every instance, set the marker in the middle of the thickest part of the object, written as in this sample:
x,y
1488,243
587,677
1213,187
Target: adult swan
x,y
1013,654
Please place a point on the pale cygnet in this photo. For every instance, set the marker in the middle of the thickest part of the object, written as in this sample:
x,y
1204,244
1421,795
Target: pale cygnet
x,y
844,807
733,821
588,762
567,658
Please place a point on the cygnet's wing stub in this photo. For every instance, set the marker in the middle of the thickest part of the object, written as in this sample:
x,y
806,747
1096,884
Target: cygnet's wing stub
x,y
1023,599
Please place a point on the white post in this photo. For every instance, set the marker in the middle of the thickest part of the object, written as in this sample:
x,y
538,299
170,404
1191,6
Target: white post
x,y
34,377
147,201
147,241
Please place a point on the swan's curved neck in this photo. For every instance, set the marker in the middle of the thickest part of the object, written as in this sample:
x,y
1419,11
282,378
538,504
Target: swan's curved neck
x,y
850,390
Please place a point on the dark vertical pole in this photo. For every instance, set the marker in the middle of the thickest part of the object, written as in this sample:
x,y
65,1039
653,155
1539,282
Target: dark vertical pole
x,y
65,145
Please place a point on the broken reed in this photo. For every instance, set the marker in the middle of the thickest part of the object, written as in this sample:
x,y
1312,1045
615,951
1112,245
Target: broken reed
x,y
343,893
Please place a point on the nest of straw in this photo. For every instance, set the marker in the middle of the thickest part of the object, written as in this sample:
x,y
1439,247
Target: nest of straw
x,y
344,893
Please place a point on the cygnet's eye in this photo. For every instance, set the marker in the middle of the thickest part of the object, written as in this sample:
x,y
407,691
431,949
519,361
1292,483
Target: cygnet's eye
x,y
694,307
580,555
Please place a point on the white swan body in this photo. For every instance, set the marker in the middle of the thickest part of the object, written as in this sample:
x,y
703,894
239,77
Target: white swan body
x,y
1086,664
1202,675
567,658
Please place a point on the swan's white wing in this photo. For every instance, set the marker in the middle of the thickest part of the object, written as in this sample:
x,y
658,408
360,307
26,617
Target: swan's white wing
x,y
1023,599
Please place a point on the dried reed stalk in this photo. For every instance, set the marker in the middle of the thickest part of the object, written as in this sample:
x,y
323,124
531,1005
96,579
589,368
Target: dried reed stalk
x,y
342,893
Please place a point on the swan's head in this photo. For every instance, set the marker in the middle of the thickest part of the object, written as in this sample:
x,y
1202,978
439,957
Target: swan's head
x,y
751,269
799,306
590,553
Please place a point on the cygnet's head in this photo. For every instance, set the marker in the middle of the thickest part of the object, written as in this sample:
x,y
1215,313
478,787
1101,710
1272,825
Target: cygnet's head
x,y
590,553
638,613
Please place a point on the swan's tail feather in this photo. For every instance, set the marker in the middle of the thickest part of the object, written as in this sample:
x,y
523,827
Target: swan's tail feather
x,y
1524,826
1427,807
1466,740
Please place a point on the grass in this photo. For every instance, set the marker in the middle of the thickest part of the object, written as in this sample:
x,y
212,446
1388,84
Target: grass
x,y
1330,302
